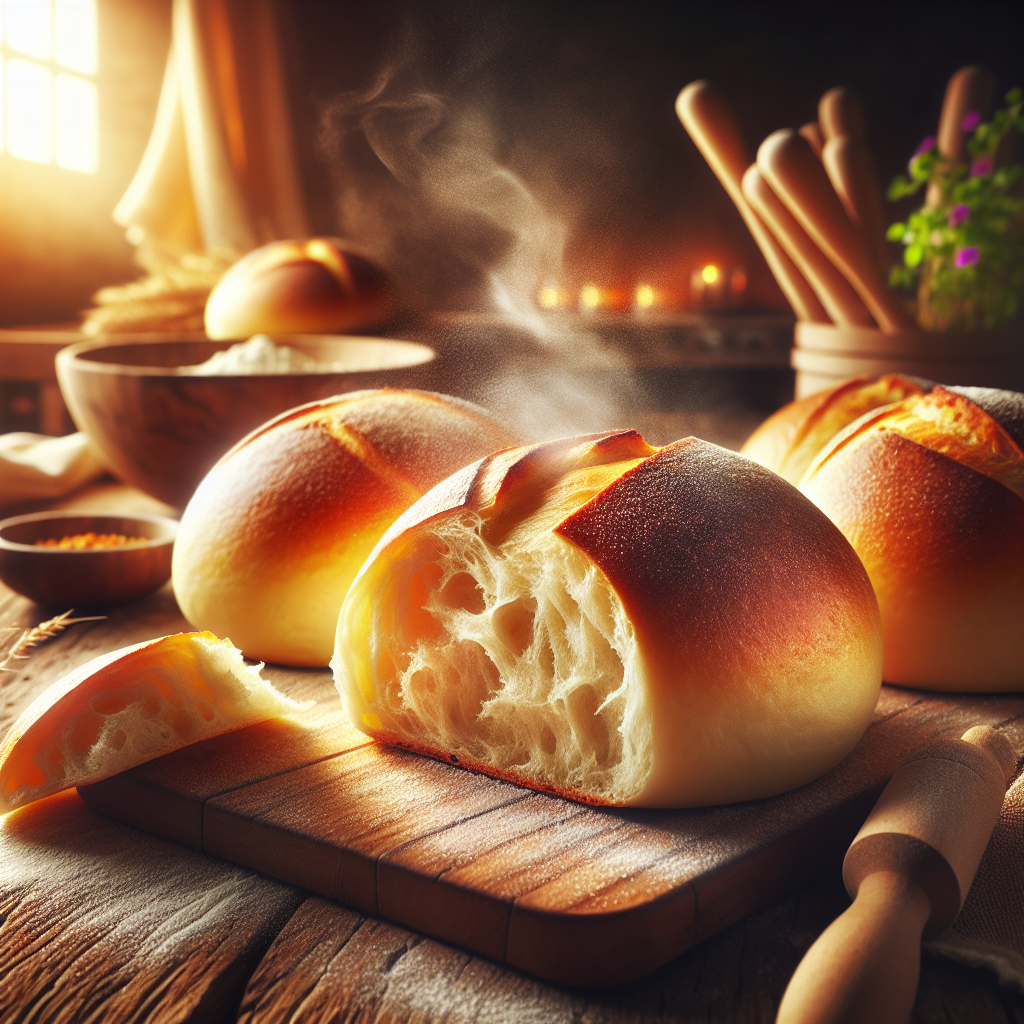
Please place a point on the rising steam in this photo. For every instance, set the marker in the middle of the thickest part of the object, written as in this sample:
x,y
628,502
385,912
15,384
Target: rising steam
x,y
421,186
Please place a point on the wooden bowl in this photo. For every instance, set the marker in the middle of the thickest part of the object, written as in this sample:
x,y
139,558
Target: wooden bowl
x,y
160,426
64,579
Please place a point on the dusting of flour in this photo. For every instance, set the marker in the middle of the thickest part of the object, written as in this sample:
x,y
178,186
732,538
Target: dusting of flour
x,y
257,355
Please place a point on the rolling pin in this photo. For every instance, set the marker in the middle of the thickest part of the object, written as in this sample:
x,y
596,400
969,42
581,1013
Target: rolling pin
x,y
908,872
839,299
706,116
798,178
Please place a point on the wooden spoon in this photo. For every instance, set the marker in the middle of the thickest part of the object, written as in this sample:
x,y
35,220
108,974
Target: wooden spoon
x,y
812,133
836,295
852,173
840,112
705,114
798,178
908,870
970,88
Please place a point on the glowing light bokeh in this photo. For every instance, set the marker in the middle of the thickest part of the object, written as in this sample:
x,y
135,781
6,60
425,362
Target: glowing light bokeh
x,y
709,274
548,298
738,281
644,297
28,28
77,124
590,296
74,35
29,111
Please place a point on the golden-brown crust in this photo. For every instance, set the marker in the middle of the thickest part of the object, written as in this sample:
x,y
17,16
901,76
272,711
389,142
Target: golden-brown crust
x,y
691,523
1005,407
773,440
944,547
788,441
511,480
277,530
287,287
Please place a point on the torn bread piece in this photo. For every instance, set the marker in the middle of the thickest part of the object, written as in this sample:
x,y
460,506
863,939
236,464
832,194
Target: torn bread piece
x,y
129,706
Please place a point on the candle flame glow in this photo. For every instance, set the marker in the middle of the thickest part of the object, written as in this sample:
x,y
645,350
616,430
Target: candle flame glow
x,y
710,274
547,298
644,297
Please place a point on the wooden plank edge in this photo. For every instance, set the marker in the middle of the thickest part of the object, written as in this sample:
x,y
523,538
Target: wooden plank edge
x,y
599,950
135,801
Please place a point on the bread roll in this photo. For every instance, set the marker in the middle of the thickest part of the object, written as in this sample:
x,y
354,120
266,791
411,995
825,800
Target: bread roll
x,y
617,624
130,706
315,287
930,493
278,528
788,441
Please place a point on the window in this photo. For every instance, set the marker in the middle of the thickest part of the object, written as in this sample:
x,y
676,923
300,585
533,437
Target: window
x,y
48,99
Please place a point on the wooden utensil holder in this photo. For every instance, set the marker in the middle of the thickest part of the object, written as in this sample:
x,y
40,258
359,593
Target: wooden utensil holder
x,y
824,355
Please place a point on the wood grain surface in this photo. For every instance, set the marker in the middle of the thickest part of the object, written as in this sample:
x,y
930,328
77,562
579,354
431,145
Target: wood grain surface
x,y
574,894
101,922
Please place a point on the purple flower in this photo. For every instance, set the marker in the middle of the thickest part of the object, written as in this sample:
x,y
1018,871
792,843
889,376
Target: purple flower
x,y
970,122
958,215
965,257
983,165
926,145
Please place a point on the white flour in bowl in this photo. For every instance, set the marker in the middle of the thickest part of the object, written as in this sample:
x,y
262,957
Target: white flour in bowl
x,y
257,355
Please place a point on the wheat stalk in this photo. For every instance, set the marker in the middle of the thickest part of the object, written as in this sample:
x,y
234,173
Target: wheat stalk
x,y
39,634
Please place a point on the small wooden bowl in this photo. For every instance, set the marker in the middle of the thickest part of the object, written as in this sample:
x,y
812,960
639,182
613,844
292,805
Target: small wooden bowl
x,y
160,426
100,577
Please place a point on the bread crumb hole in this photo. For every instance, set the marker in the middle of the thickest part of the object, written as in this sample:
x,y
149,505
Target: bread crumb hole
x,y
548,743
533,670
513,622
108,705
462,591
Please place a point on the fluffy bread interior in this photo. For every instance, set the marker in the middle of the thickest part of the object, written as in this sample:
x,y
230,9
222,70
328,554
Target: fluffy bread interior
x,y
129,706
501,645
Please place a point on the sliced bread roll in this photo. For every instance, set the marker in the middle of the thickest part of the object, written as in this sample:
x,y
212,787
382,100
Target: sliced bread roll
x,y
129,706
930,493
615,623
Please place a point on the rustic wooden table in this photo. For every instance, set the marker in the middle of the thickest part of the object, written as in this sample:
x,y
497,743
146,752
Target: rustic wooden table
x,y
100,922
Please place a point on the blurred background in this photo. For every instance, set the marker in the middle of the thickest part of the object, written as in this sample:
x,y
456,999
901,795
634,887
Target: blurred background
x,y
504,160
442,134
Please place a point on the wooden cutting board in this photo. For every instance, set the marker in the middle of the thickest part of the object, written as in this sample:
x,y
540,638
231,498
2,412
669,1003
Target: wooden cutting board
x,y
570,893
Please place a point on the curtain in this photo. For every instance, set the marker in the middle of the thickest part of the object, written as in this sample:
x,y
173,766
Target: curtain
x,y
220,175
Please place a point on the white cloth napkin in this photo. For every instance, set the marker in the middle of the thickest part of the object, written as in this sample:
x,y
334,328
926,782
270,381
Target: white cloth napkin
x,y
36,467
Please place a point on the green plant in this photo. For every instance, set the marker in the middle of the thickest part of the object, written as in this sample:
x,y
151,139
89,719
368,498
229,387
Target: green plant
x,y
964,249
